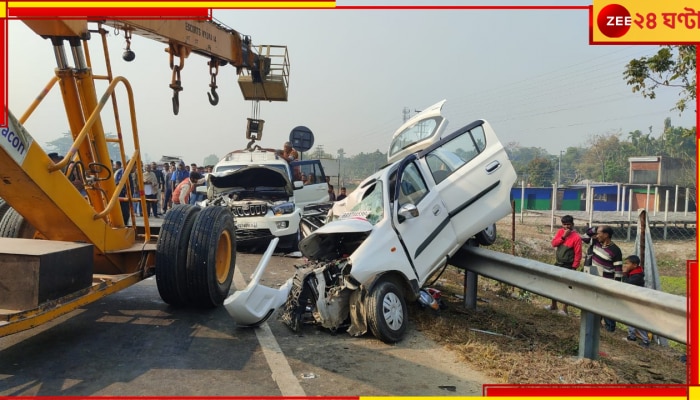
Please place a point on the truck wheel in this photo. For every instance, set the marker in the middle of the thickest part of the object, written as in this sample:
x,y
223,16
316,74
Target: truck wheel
x,y
13,225
387,314
211,257
3,208
171,254
487,237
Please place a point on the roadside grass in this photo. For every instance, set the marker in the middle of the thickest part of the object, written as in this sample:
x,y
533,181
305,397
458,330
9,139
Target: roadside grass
x,y
513,339
674,284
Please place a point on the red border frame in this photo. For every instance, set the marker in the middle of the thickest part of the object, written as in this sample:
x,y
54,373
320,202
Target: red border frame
x,y
488,390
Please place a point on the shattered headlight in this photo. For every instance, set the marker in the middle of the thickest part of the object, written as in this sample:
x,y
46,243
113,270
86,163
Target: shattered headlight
x,y
284,208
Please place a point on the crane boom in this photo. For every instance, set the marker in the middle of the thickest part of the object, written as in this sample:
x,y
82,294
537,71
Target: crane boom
x,y
263,72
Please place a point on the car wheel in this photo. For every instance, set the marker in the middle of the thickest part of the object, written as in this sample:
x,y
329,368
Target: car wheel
x,y
211,257
387,315
171,254
487,237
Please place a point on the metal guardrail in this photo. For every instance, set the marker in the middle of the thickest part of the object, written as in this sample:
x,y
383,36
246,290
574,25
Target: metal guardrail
x,y
661,313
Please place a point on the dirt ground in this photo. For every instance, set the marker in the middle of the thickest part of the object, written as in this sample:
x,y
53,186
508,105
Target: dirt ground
x,y
512,339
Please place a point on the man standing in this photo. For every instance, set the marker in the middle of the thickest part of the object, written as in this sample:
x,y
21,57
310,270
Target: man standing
x,y
568,244
168,174
181,194
118,175
342,194
288,153
161,185
150,190
607,258
179,174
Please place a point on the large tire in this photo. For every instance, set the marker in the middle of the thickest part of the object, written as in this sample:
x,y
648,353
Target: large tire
x,y
13,225
211,257
3,208
387,315
171,254
487,237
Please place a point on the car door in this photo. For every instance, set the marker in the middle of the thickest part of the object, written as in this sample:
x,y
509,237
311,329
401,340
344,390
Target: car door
x,y
427,236
419,132
473,177
315,188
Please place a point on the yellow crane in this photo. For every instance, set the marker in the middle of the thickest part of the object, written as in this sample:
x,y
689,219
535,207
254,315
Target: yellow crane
x,y
87,250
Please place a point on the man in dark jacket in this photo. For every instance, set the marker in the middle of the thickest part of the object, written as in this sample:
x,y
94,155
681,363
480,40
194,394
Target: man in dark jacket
x,y
633,272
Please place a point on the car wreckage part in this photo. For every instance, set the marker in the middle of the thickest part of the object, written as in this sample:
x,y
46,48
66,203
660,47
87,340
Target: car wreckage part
x,y
171,254
211,257
321,293
253,305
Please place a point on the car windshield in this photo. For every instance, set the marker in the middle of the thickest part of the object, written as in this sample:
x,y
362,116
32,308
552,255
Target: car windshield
x,y
418,132
371,207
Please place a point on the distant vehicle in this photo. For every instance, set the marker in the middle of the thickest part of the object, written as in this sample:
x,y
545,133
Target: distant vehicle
x,y
397,229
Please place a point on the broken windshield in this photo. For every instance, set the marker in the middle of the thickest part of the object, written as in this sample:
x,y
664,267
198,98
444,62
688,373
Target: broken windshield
x,y
371,207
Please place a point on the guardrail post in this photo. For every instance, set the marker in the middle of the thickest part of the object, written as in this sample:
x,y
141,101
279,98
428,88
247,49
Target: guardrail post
x,y
589,335
470,279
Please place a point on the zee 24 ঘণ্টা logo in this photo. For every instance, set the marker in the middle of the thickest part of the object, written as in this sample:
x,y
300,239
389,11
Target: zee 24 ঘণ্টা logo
x,y
669,22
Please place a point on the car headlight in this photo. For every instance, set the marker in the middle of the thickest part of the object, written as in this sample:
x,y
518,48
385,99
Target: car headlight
x,y
285,208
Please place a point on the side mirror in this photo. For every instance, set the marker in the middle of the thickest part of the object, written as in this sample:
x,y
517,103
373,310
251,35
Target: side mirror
x,y
407,211
298,185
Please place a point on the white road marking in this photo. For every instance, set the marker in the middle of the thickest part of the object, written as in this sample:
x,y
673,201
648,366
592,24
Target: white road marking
x,y
281,371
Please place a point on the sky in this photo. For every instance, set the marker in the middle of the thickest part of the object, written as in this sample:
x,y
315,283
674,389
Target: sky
x,y
354,73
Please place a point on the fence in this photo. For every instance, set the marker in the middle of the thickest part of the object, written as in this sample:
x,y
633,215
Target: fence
x,y
671,215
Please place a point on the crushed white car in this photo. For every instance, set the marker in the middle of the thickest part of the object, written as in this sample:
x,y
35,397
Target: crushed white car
x,y
399,227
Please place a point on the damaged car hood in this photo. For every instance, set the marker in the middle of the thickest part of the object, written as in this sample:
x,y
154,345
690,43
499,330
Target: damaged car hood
x,y
337,239
250,177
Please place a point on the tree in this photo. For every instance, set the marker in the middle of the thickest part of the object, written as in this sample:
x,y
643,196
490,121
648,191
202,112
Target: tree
x,y
540,172
60,145
521,156
63,144
671,66
211,159
606,160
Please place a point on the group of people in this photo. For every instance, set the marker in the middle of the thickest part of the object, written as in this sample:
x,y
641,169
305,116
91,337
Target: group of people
x,y
603,258
173,183
332,196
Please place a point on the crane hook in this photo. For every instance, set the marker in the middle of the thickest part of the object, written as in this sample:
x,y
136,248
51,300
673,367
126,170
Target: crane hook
x,y
213,97
176,103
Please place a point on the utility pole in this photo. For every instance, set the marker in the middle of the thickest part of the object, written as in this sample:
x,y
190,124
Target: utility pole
x,y
406,114
559,179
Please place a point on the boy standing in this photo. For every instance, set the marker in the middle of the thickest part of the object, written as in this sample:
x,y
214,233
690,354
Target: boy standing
x,y
633,273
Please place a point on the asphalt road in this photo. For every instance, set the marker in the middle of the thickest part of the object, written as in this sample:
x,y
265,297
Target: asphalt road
x,y
133,344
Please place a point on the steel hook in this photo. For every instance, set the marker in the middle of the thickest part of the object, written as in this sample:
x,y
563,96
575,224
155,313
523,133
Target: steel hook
x,y
213,97
176,103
